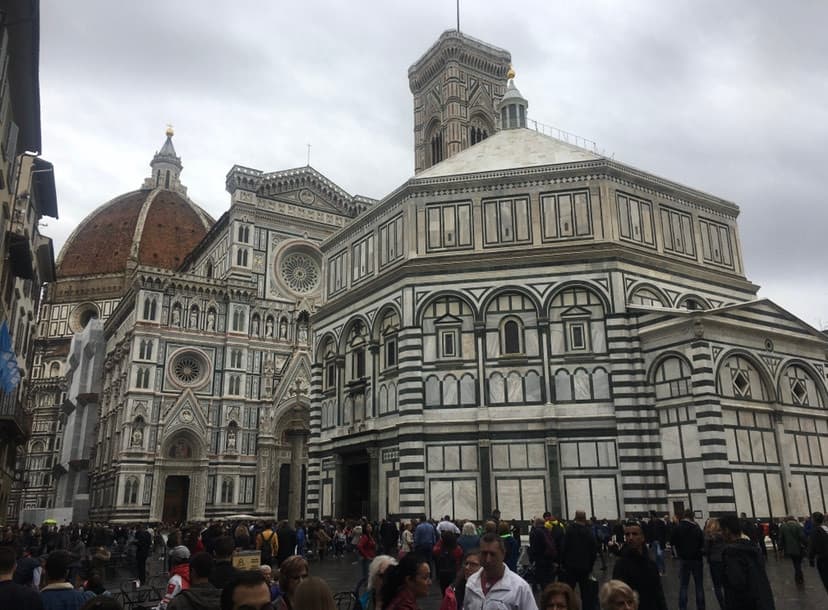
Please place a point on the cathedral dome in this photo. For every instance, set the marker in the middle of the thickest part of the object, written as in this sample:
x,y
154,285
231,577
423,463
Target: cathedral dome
x,y
156,225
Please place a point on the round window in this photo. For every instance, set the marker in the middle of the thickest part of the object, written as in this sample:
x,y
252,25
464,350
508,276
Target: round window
x,y
300,272
189,368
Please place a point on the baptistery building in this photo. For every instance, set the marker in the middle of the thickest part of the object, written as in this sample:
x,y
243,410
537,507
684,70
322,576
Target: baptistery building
x,y
529,325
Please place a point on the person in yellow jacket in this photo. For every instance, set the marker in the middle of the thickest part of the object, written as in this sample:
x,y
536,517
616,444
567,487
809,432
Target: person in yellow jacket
x,y
268,543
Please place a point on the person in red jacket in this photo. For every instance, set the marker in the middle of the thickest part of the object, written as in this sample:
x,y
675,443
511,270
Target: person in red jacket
x,y
367,549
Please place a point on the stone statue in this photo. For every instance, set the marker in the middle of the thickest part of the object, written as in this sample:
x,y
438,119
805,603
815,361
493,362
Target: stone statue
x,y
137,437
254,329
231,440
269,327
303,333
211,320
283,329
194,318
176,316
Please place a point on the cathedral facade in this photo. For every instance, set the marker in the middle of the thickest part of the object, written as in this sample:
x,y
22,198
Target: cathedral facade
x,y
524,325
173,375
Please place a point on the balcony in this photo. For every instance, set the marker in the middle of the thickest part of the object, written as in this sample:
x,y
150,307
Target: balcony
x,y
13,418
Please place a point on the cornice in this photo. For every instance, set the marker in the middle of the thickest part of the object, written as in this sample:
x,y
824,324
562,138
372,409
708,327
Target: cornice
x,y
614,254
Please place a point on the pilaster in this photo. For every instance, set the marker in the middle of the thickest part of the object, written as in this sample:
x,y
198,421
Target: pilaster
x,y
718,482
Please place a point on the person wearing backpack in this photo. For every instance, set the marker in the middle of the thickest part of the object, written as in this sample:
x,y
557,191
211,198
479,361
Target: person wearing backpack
x,y
542,553
268,543
447,557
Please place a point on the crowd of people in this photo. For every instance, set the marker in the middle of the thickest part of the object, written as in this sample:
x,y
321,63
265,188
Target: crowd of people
x,y
476,566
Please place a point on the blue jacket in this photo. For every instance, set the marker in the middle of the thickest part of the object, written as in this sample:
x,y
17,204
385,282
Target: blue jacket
x,y
64,599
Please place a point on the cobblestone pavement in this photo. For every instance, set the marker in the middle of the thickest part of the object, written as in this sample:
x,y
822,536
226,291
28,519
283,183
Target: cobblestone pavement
x,y
343,574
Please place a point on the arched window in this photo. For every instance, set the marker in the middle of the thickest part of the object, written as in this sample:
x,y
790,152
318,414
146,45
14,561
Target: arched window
x,y
672,378
149,308
798,387
238,319
142,378
576,322
244,234
357,343
739,378
647,297
131,491
234,385
241,257
511,337
388,339
209,270
236,359
145,349
226,490
329,362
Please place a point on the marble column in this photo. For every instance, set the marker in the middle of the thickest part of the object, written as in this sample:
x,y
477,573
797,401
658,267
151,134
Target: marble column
x,y
298,439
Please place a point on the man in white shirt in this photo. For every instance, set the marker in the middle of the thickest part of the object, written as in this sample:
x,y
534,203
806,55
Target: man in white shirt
x,y
495,585
446,525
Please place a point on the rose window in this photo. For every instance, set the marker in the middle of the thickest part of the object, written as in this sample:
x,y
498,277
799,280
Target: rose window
x,y
189,369
300,272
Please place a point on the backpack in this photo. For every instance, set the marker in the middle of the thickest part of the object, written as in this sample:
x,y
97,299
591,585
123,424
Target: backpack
x,y
447,562
267,548
550,549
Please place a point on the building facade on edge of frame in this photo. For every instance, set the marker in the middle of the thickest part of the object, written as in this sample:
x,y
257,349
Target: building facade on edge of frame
x,y
525,324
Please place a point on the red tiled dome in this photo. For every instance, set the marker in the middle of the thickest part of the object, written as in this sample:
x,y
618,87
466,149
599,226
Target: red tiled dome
x,y
153,227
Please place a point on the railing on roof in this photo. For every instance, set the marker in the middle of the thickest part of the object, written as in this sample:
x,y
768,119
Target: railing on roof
x,y
569,138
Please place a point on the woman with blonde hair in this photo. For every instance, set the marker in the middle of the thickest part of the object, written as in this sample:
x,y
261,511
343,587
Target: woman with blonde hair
x,y
372,599
314,594
617,595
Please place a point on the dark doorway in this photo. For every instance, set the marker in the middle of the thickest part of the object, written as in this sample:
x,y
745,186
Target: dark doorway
x,y
284,491
357,489
176,498
678,508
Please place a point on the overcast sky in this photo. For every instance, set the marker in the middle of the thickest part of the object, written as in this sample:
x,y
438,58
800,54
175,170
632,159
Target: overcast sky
x,y
727,97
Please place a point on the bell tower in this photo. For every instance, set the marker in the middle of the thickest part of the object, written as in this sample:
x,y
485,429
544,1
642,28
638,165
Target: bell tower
x,y
457,85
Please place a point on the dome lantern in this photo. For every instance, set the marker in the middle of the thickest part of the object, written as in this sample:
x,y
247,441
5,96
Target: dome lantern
x,y
166,167
512,106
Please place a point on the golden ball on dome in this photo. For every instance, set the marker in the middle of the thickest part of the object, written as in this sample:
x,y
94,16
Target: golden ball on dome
x,y
510,73
170,131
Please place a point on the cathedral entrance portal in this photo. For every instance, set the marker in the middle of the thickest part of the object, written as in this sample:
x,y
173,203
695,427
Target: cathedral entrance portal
x,y
176,499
